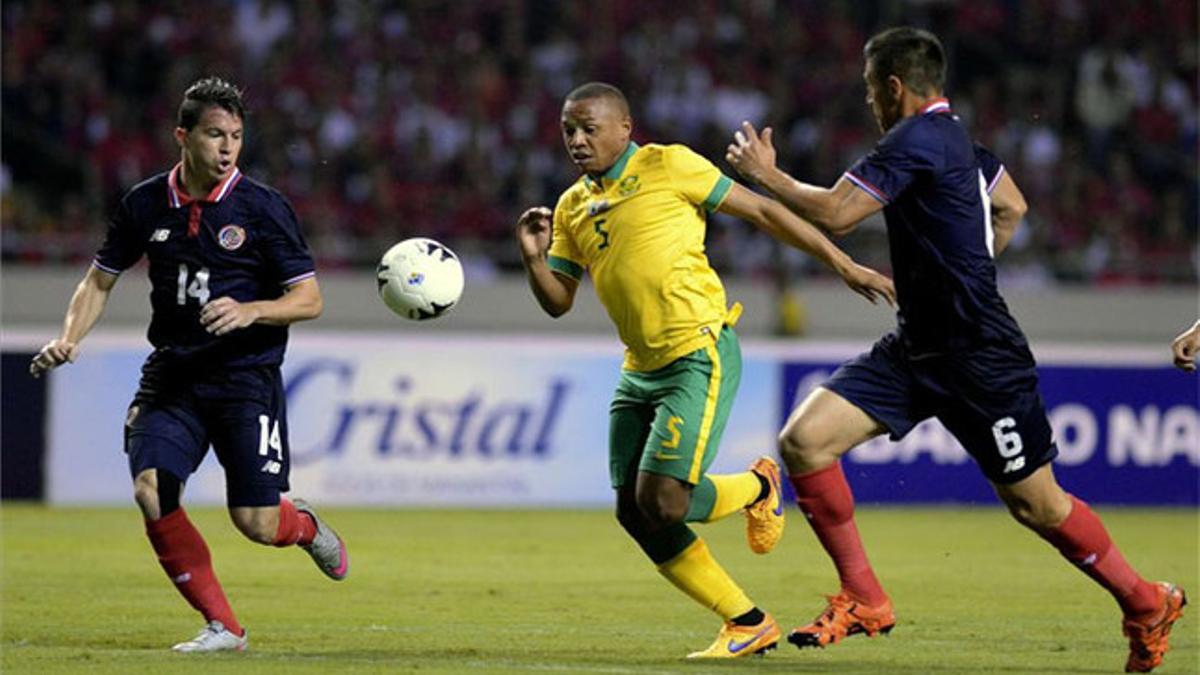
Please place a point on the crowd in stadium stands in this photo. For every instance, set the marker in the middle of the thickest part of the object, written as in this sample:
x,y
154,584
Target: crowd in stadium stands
x,y
387,120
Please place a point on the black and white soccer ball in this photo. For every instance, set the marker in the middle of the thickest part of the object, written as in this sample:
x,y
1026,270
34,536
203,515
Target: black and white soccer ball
x,y
420,279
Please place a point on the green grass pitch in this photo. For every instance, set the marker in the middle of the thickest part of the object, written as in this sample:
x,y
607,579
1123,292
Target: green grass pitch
x,y
565,591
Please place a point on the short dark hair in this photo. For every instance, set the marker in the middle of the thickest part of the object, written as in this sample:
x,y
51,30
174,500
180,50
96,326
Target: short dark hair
x,y
599,90
915,56
206,93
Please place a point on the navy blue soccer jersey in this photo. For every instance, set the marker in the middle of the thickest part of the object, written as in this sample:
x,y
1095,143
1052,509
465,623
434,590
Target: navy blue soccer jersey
x,y
241,241
935,186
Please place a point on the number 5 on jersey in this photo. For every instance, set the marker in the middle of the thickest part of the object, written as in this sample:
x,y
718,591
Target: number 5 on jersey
x,y
602,232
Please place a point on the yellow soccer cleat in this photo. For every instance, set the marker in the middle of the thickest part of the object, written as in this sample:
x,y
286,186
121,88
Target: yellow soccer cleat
x,y
764,518
737,641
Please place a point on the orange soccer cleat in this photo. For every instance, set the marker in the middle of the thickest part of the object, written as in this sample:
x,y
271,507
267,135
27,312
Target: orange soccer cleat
x,y
764,519
1148,638
844,616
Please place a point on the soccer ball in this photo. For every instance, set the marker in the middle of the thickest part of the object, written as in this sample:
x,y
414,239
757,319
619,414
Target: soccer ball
x,y
419,279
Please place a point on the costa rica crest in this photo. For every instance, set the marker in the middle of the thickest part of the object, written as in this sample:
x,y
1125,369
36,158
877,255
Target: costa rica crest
x,y
231,237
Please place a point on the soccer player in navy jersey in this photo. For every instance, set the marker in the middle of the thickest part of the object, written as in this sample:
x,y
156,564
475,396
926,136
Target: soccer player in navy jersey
x,y
229,271
957,355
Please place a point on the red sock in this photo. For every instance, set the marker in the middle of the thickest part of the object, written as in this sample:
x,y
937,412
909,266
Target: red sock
x,y
185,558
294,527
1082,540
825,499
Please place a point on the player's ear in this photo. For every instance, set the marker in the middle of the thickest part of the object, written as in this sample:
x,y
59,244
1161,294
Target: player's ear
x,y
895,87
180,135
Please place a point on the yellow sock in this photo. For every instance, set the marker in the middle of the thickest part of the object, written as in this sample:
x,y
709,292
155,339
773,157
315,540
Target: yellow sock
x,y
735,492
696,572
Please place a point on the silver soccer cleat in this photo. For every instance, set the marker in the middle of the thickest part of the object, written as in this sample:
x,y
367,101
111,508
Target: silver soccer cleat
x,y
327,549
215,637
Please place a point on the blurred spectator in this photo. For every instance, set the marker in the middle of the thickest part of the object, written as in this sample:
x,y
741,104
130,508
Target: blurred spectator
x,y
389,120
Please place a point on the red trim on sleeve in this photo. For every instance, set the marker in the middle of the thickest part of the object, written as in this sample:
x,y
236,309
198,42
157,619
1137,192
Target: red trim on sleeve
x,y
868,187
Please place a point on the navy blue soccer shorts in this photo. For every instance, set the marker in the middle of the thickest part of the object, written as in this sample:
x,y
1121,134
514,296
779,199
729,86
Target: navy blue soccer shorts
x,y
240,412
987,398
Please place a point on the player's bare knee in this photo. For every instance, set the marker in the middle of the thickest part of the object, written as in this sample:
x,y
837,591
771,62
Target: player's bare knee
x,y
257,526
1021,511
662,507
1046,514
801,448
629,515
1036,514
145,493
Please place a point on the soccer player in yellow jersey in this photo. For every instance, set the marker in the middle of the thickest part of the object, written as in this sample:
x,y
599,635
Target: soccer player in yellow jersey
x,y
636,220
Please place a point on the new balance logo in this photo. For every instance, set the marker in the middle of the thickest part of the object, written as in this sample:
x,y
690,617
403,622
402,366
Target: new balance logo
x,y
160,234
1014,464
271,466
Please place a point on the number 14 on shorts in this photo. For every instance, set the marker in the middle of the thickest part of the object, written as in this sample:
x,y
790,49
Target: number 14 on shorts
x,y
268,440
1008,442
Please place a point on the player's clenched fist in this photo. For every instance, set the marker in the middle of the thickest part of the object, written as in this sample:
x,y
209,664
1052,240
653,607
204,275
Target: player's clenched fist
x,y
54,354
533,231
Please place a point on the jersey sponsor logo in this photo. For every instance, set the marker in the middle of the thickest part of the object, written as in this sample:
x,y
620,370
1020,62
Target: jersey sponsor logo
x,y
628,186
160,234
231,237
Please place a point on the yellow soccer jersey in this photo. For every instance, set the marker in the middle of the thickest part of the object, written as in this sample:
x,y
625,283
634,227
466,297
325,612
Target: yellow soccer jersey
x,y
640,232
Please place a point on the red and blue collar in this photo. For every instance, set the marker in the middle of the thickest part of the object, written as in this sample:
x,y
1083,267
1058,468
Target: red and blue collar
x,y
177,197
935,105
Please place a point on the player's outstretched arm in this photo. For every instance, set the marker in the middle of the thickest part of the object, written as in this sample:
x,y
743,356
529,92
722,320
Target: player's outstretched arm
x,y
771,217
1008,208
554,292
87,304
836,210
1185,348
300,301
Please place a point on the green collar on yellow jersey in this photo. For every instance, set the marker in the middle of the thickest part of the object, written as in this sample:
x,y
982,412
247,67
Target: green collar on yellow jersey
x,y
614,171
